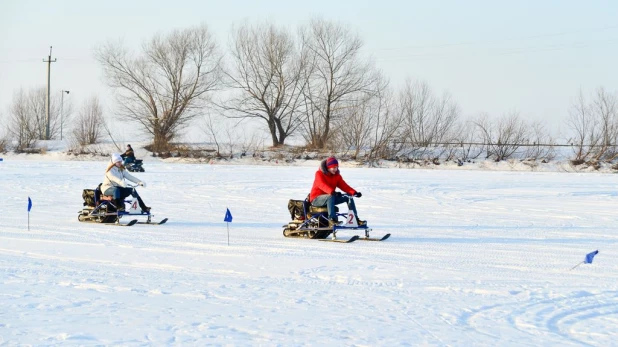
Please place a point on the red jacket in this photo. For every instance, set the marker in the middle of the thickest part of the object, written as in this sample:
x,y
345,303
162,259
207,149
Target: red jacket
x,y
326,183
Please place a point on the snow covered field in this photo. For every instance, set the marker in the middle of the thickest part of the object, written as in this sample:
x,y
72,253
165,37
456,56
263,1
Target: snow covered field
x,y
476,258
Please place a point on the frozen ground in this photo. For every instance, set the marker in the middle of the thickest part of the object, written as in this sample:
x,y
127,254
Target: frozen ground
x,y
477,258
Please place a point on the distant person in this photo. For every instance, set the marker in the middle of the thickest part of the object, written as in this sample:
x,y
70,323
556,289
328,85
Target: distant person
x,y
128,155
327,180
114,184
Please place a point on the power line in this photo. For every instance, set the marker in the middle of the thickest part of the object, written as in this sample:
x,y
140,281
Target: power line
x,y
512,51
521,38
18,61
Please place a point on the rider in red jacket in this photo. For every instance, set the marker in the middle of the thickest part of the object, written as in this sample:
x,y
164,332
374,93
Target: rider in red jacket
x,y
327,180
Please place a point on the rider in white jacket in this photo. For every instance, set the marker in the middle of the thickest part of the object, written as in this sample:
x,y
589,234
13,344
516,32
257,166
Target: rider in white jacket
x,y
114,184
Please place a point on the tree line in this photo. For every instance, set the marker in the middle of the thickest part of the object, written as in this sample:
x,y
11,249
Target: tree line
x,y
314,84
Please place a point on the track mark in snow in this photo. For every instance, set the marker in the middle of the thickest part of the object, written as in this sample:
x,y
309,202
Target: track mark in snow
x,y
564,317
333,275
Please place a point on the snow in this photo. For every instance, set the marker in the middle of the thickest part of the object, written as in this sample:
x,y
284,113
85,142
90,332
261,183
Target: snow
x,y
476,258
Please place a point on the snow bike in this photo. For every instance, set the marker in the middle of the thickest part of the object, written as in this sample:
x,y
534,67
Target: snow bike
x,y
99,208
312,222
135,166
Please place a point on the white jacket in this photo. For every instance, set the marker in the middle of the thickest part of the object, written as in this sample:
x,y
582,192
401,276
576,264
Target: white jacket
x,y
115,178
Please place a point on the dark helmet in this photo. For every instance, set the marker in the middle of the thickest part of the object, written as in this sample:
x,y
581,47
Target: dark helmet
x,y
129,146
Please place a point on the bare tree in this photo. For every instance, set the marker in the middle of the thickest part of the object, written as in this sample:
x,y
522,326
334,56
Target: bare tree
x,y
230,136
28,110
542,146
89,123
369,124
504,138
385,128
426,120
23,122
166,86
266,73
4,144
586,129
605,108
4,138
351,131
468,137
211,129
64,120
336,76
35,103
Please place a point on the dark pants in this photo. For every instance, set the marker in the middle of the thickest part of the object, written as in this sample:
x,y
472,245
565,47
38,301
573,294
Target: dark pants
x,y
331,200
120,193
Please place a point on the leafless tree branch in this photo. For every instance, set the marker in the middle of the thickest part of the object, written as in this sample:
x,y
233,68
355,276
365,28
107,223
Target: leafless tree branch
x,y
166,86
89,123
336,77
266,75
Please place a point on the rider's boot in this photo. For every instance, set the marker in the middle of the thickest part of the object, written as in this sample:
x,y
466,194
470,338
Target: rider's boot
x,y
119,203
332,222
141,203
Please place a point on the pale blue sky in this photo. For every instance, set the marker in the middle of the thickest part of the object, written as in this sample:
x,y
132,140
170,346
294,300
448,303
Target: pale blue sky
x,y
491,56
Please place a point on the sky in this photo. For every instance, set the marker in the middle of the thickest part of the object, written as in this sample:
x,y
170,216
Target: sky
x,y
493,57
476,258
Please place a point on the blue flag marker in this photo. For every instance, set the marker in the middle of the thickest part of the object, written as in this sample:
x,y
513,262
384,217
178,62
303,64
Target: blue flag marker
x,y
228,219
588,259
29,208
228,216
590,256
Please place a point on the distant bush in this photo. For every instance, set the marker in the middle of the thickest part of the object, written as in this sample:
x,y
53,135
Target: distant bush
x,y
4,144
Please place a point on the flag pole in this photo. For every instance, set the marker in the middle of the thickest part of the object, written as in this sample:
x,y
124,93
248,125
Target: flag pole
x,y
588,259
228,219
29,207
577,265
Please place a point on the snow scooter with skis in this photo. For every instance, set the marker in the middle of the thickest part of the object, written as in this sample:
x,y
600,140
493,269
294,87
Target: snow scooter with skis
x,y
312,222
99,208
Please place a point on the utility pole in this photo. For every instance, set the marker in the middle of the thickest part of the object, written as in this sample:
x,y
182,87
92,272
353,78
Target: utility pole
x,y
47,101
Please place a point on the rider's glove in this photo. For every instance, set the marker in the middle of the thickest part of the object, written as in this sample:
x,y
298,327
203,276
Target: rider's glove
x,y
358,194
143,184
